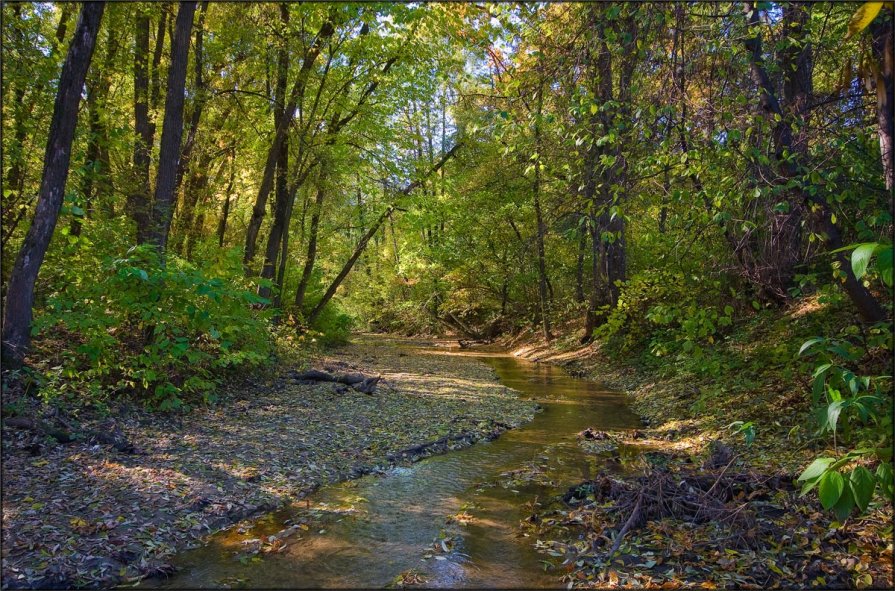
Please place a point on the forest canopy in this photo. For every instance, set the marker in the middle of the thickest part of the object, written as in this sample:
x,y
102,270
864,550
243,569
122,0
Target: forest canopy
x,y
191,189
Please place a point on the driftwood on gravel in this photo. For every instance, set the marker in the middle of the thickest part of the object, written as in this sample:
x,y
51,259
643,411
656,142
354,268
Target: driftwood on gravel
x,y
70,433
358,381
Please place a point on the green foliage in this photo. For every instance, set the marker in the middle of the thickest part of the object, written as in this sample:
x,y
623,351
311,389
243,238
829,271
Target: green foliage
x,y
844,400
332,326
164,332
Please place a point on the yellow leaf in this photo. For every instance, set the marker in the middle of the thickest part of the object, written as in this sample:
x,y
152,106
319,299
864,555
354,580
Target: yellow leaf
x,y
862,17
39,463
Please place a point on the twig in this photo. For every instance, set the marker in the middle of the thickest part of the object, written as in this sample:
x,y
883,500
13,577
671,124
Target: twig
x,y
628,524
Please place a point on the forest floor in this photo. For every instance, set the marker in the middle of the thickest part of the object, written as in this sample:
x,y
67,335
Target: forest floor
x,y
707,509
84,514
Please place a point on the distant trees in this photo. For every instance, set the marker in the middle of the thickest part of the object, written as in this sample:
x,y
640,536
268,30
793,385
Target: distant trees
x,y
722,148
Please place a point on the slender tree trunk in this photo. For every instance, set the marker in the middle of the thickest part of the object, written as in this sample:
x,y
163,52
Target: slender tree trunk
x,y
539,219
349,264
282,127
20,293
138,198
281,205
881,29
225,211
172,129
362,244
311,257
579,267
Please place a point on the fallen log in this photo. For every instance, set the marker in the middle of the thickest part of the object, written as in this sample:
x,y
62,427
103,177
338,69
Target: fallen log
x,y
114,437
358,381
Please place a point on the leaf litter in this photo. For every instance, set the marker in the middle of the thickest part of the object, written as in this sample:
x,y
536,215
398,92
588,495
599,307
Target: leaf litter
x,y
84,514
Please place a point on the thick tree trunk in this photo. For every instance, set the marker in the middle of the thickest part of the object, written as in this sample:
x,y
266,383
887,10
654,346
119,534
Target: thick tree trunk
x,y
14,210
172,128
20,294
201,97
279,227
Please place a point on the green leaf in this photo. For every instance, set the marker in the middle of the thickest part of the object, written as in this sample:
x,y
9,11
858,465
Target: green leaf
x,y
884,478
860,258
830,489
833,411
862,484
844,504
816,469
809,343
862,17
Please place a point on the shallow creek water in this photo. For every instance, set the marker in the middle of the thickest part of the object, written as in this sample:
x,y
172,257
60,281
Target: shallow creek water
x,y
367,531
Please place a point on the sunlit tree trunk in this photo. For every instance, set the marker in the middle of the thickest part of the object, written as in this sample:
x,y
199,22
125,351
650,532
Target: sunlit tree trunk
x,y
881,30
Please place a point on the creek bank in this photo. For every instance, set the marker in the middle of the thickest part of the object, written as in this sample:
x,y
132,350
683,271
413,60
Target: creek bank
x,y
85,514
653,528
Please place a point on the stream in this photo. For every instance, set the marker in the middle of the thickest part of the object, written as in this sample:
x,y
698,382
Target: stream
x,y
367,531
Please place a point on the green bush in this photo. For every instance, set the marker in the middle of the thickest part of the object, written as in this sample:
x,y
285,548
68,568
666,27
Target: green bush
x,y
164,332
332,326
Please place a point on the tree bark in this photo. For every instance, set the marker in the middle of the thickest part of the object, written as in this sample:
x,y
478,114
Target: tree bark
x,y
539,219
96,165
312,247
172,129
20,294
225,212
282,127
797,88
138,198
881,30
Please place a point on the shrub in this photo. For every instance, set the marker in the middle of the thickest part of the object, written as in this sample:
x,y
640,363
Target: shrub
x,y
164,332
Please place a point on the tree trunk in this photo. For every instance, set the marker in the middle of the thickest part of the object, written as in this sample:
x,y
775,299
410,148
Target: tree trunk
x,y
225,212
881,29
539,219
138,198
797,90
20,294
172,129
312,247
346,268
96,165
201,97
282,127
281,206
362,244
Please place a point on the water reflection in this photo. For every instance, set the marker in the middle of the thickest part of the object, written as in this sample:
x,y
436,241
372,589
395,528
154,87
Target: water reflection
x,y
368,531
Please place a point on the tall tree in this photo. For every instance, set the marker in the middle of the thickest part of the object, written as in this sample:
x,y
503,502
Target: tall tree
x,y
20,294
172,129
